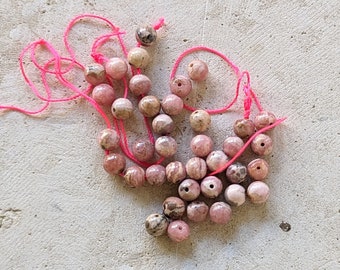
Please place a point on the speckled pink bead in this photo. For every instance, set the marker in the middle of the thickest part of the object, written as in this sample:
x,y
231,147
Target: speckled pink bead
x,y
155,175
236,173
116,68
216,160
220,213
180,86
196,168
211,187
143,150
156,224
134,176
172,104
232,145
189,190
201,145
122,108
178,231
197,211
163,124
200,120
108,139
198,70
235,195
258,169
175,172
244,128
103,94
149,106
173,207
138,57
114,163
258,192
140,84
262,145
95,73
264,119
166,146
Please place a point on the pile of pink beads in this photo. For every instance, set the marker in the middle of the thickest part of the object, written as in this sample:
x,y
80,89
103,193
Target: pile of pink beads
x,y
154,157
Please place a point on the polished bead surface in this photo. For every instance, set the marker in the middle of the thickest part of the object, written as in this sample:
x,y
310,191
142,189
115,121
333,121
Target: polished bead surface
x,y
156,224
216,160
146,35
236,173
198,70
244,128
178,231
95,73
103,94
163,124
262,145
134,176
258,169
122,108
173,207
211,187
235,194
220,213
258,192
232,145
264,119
140,84
108,139
180,86
189,190
196,168
138,57
155,175
149,106
166,146
175,172
143,150
116,68
114,163
200,120
201,145
197,211
172,105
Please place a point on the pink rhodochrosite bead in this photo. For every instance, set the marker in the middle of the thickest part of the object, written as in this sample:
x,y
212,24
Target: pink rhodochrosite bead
x,y
235,194
163,124
178,231
95,73
216,160
172,104
103,94
201,145
140,84
236,173
134,176
108,139
180,86
116,68
189,190
232,145
114,163
258,192
200,120
262,145
143,150
220,213
166,146
149,106
258,169
155,175
196,168
211,187
138,57
175,172
198,70
264,119
173,207
122,108
197,211
244,128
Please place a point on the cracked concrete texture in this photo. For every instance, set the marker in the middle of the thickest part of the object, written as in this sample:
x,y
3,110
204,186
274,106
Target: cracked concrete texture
x,y
59,210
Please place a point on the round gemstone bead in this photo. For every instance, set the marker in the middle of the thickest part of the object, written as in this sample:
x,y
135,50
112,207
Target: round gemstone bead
x,y
262,145
244,128
232,145
198,70
155,175
134,176
197,211
103,94
138,57
211,187
236,173
216,159
143,150
156,224
189,190
235,194
178,231
200,120
180,86
114,163
95,74
108,139
201,145
175,172
196,168
146,35
264,119
140,84
172,105
258,169
163,124
116,68
149,106
122,108
166,146
220,213
173,207
258,192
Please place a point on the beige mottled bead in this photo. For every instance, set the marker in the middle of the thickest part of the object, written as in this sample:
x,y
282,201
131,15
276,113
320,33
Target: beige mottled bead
x,y
134,176
200,120
197,211
201,145
189,190
103,94
180,86
258,192
138,57
122,108
95,73
140,84
198,70
108,139
173,207
156,224
264,119
114,163
143,150
258,169
116,68
175,172
235,194
155,175
163,124
149,106
196,168
172,104
166,146
262,145
232,145
216,159
244,128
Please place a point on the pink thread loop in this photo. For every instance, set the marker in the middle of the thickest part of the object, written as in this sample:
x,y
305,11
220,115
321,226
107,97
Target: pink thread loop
x,y
159,24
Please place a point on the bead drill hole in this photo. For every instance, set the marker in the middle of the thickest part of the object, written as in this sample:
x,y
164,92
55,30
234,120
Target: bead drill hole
x,y
211,186
258,167
186,189
262,144
180,228
179,84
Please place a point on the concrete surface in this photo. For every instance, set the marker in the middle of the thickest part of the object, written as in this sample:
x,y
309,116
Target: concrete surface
x,y
60,210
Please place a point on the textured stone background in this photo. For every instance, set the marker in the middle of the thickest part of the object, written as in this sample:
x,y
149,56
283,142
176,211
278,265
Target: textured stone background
x,y
59,210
